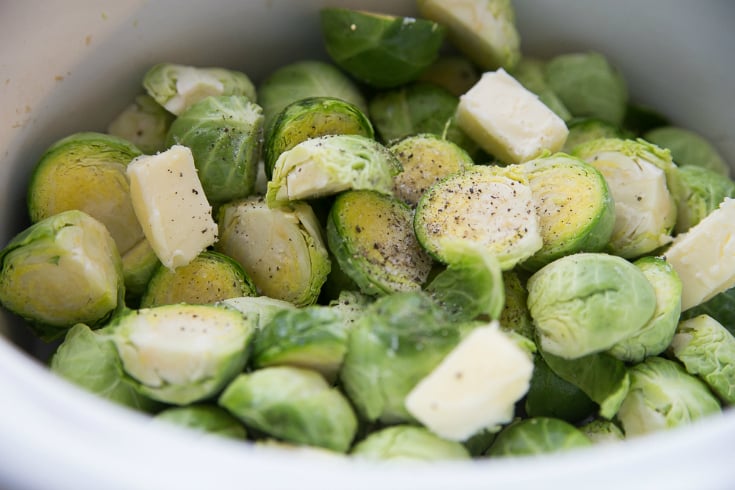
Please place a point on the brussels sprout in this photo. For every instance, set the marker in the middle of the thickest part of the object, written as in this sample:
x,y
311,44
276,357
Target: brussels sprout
x,y
406,442
688,148
144,123
293,404
207,419
530,73
721,307
471,286
182,353
475,387
397,341
261,307
426,159
313,337
371,236
509,121
707,350
309,78
574,206
224,136
455,73
662,395
138,265
491,209
601,431
331,164
209,278
90,361
656,334
350,305
178,87
309,118
86,171
640,178
601,377
584,129
551,396
640,119
280,249
418,108
699,192
60,271
380,50
589,86
484,31
587,302
515,316
537,435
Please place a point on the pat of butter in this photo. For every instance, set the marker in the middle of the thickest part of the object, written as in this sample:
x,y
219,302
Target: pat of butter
x,y
704,256
475,387
509,121
171,207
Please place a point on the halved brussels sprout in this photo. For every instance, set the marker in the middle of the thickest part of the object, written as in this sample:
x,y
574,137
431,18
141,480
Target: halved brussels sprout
x,y
426,159
90,361
688,148
530,73
293,404
656,334
707,350
698,192
589,86
224,134
662,395
209,278
313,337
204,418
177,87
60,271
144,123
280,249
261,307
371,236
600,376
552,396
182,353
490,208
418,108
302,79
601,431
587,302
86,171
331,164
407,442
455,73
397,341
309,118
584,129
377,49
537,435
350,305
475,387
640,177
484,31
574,206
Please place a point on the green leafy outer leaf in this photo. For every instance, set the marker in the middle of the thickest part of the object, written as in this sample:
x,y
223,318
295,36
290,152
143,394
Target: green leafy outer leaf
x,y
224,134
601,377
537,435
380,50
90,361
293,404
707,350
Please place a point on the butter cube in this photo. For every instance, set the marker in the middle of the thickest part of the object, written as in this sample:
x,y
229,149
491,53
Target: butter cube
x,y
170,204
509,121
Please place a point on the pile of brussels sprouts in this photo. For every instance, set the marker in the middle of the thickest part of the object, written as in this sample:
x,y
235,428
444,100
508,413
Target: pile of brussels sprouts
x,y
381,285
